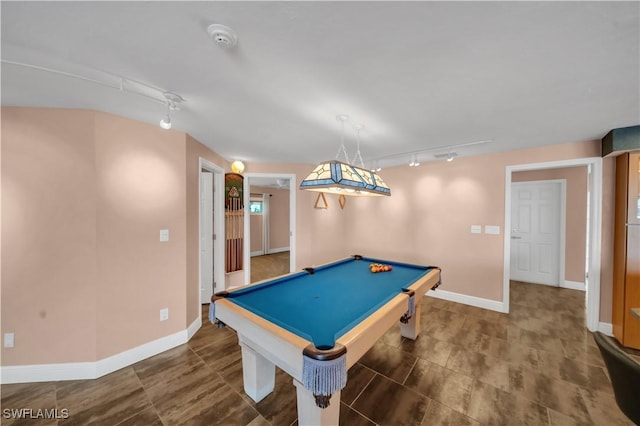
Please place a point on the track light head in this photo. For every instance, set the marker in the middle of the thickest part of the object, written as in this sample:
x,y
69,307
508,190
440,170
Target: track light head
x,y
165,123
171,103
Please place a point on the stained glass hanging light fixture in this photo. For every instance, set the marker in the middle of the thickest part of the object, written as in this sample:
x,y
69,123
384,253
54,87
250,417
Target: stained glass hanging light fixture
x,y
344,178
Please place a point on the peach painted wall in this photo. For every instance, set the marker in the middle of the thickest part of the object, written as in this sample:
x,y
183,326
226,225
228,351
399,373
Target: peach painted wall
x,y
195,150
49,216
141,188
575,215
84,195
255,229
427,220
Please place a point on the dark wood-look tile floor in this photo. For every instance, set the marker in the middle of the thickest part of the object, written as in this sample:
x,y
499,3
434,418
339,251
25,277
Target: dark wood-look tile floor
x,y
536,366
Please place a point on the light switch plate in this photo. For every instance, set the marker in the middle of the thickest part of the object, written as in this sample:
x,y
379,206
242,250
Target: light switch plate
x,y
492,229
164,314
9,340
476,229
164,235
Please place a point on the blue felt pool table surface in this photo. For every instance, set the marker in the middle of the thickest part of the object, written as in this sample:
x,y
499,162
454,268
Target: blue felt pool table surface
x,y
322,306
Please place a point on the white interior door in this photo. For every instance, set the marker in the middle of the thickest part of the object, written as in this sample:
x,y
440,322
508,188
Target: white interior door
x,y
206,237
535,232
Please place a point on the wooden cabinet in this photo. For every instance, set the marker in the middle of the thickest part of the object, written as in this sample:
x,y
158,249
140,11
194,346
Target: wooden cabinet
x,y
626,251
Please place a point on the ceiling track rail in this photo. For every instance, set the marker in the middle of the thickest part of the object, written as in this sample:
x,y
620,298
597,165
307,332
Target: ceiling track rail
x,y
120,83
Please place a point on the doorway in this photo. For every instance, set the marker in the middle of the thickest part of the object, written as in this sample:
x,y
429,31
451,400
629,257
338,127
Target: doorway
x,y
269,225
206,235
211,224
593,232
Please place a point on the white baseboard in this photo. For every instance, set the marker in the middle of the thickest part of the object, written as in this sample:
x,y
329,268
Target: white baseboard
x,y
194,327
269,251
93,370
492,305
605,328
574,285
278,250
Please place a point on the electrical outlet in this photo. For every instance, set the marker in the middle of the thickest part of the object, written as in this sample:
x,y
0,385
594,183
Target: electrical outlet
x,y
164,235
9,340
164,314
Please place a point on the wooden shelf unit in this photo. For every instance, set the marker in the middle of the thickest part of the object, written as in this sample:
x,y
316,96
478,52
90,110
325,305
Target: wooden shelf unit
x,y
626,251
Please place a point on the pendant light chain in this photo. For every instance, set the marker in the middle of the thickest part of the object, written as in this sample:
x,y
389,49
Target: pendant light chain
x,y
358,156
342,149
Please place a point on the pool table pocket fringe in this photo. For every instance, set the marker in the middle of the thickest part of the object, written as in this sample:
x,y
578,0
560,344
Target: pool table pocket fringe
x,y
324,378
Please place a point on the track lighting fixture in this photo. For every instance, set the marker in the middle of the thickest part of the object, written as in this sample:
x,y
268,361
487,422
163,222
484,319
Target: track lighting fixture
x,y
171,104
449,156
414,161
165,123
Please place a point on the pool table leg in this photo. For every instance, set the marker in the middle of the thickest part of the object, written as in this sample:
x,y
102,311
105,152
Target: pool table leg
x,y
411,329
258,374
310,414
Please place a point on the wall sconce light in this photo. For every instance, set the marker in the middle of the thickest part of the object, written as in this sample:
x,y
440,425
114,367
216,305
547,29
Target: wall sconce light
x,y
237,166
414,161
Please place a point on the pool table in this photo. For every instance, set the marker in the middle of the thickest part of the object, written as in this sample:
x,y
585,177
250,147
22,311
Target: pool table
x,y
317,323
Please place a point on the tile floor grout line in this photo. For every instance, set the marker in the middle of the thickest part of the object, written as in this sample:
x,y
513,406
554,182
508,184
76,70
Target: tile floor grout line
x,y
410,370
363,388
146,394
231,387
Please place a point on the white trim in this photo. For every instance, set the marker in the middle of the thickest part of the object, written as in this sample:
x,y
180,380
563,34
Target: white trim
x,y
492,305
278,250
194,327
292,219
605,328
270,251
594,165
574,285
218,226
91,370
595,246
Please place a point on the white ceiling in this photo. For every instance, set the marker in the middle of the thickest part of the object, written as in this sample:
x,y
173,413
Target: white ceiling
x,y
420,76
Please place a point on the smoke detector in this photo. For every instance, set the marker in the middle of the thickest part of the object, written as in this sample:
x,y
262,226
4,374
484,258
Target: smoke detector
x,y
224,36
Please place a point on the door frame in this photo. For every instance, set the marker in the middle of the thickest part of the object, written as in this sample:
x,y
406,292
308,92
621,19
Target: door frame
x,y
292,219
594,225
218,227
562,229
206,198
